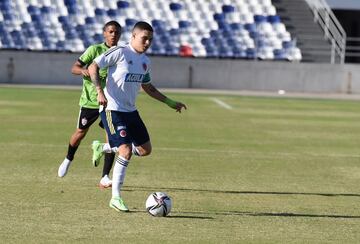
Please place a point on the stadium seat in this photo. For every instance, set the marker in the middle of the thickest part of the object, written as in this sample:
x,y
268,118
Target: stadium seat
x,y
229,28
175,6
185,51
123,4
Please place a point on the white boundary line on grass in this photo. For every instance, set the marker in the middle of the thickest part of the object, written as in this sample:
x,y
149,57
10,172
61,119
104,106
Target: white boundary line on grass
x,y
221,103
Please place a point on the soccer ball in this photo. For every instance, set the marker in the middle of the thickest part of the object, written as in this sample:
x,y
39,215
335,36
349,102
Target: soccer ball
x,y
158,204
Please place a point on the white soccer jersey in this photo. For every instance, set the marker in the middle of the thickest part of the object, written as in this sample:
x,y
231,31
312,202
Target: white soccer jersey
x,y
127,70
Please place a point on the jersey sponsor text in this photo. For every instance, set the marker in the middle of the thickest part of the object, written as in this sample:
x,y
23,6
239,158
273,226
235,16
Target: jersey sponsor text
x,y
134,77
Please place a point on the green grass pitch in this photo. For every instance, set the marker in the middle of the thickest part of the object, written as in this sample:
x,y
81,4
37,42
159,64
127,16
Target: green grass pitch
x,y
270,170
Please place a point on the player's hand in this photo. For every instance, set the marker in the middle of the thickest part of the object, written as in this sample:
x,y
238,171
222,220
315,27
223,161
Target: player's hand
x,y
85,72
101,98
179,106
175,105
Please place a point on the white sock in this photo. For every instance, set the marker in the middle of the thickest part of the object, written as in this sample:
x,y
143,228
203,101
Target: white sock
x,y
106,148
119,172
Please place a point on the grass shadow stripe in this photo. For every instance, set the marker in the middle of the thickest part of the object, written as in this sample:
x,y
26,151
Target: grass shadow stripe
x,y
272,214
144,188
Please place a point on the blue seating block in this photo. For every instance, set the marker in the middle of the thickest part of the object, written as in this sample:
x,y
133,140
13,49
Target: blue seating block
x,y
274,19
112,13
122,4
259,19
236,26
228,8
184,24
219,17
175,6
227,39
130,22
100,12
89,20
251,53
251,27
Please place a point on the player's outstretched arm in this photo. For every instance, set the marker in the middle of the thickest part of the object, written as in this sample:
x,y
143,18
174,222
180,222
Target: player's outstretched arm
x,y
155,93
95,78
79,69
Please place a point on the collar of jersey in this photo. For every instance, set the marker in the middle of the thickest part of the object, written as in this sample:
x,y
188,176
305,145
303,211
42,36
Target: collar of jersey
x,y
133,50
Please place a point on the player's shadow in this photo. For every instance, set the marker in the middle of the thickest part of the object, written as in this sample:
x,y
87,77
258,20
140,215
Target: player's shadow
x,y
146,188
289,215
207,215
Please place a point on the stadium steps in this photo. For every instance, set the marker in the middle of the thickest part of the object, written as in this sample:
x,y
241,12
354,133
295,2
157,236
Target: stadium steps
x,y
299,21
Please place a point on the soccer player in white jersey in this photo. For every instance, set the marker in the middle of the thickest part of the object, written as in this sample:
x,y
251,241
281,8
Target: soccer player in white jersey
x,y
128,70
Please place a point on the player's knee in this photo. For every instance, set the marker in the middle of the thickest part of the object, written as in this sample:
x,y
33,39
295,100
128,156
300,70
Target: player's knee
x,y
77,137
145,150
80,133
125,151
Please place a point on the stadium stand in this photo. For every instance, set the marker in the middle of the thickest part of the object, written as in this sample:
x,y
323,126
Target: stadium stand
x,y
310,37
227,29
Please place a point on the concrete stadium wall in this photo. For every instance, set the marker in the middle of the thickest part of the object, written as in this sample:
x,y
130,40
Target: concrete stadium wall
x,y
170,72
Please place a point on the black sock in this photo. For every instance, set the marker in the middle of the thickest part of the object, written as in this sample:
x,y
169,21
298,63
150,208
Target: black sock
x,y
108,162
71,152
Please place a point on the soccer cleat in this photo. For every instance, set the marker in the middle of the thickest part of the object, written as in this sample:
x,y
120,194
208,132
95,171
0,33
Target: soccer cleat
x,y
63,168
105,182
118,204
97,148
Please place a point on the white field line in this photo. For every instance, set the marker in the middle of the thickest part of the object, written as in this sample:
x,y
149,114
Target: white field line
x,y
221,103
198,150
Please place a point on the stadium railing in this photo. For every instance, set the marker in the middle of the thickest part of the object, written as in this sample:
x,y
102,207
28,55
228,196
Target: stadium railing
x,y
333,30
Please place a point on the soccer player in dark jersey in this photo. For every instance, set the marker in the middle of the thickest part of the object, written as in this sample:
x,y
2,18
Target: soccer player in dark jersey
x,y
89,106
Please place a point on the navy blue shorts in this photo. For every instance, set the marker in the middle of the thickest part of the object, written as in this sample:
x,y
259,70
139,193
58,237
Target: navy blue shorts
x,y
124,128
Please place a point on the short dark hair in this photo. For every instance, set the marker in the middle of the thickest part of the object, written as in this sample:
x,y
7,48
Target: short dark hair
x,y
112,23
142,25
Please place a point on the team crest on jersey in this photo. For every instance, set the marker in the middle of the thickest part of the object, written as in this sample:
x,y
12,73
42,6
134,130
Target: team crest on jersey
x,y
130,62
144,66
84,121
122,133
